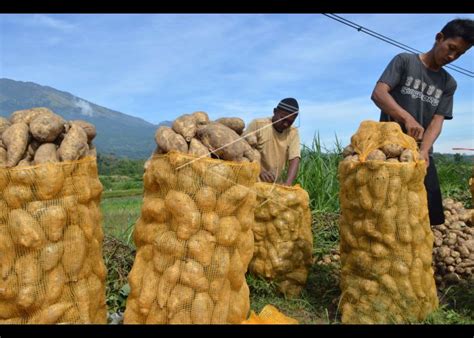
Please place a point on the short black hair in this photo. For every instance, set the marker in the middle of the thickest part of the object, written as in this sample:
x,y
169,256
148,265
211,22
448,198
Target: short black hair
x,y
463,28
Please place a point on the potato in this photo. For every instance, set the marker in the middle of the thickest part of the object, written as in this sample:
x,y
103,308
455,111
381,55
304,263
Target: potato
x,y
7,249
221,308
81,299
192,275
153,208
231,199
25,230
74,144
168,243
51,255
15,139
205,199
201,247
201,309
239,305
4,124
49,181
185,125
46,127
198,149
348,151
245,245
185,213
407,156
55,281
234,123
220,262
201,118
148,290
47,152
218,176
3,157
167,282
9,286
237,271
181,297
392,150
75,251
53,220
50,314
223,142
228,231
376,155
251,139
88,127
167,139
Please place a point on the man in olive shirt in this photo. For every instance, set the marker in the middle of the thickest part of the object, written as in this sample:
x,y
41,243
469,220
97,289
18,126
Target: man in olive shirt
x,y
278,142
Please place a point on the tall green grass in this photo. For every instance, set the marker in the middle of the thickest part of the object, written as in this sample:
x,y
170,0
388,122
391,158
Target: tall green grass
x,y
318,175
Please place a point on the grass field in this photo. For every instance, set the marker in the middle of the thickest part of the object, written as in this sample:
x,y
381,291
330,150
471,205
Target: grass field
x,y
318,303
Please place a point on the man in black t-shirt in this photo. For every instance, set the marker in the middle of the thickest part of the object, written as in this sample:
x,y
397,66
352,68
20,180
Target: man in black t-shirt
x,y
415,91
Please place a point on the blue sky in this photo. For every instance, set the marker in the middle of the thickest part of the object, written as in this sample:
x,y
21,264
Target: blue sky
x,y
159,66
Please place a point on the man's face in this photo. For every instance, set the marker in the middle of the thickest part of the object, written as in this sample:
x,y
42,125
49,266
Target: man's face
x,y
285,119
448,50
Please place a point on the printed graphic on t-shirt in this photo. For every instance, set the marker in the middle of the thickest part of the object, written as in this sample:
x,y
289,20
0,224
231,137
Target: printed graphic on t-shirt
x,y
416,89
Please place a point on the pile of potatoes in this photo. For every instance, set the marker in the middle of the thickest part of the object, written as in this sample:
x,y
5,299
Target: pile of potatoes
x,y
51,264
35,136
196,135
194,242
333,258
385,237
283,237
453,252
391,152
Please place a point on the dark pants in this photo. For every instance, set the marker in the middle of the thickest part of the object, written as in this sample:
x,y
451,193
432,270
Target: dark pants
x,y
435,201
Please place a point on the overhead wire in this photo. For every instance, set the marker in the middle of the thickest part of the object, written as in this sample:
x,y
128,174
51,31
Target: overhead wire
x,y
391,41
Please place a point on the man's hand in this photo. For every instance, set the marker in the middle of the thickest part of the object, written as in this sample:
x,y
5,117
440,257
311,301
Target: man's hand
x,y
267,176
414,129
425,156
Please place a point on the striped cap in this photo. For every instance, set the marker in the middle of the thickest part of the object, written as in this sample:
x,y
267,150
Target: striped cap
x,y
289,104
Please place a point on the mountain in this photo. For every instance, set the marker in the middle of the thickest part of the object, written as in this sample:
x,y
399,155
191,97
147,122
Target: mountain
x,y
117,133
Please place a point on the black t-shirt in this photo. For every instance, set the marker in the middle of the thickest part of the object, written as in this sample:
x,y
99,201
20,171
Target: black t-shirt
x,y
420,91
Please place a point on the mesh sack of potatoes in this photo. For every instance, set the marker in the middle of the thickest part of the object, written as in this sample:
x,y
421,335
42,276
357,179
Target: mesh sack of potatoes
x,y
385,238
194,242
283,237
269,315
52,270
453,251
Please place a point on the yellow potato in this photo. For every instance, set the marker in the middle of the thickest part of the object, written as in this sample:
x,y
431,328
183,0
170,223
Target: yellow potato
x,y
201,310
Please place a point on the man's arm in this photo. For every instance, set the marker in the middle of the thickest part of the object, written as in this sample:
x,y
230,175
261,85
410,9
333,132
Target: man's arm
x,y
387,104
292,170
430,136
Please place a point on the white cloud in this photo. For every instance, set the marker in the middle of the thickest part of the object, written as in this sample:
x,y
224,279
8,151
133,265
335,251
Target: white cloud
x,y
52,22
85,107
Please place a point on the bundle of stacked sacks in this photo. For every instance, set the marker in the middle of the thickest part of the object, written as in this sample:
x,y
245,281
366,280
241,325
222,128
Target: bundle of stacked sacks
x,y
453,251
194,238
52,270
386,242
